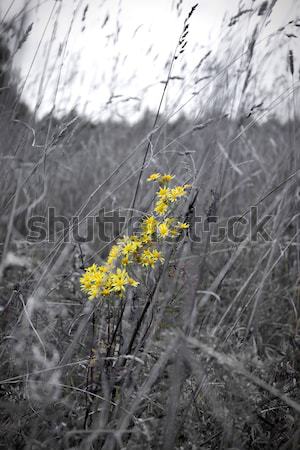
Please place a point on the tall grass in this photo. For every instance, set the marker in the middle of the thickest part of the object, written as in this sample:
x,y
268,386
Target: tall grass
x,y
206,353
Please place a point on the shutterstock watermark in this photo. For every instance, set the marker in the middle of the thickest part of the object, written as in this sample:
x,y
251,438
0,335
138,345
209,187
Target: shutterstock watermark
x,y
108,225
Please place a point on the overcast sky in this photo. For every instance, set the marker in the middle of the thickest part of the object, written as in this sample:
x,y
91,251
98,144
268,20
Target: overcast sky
x,y
105,56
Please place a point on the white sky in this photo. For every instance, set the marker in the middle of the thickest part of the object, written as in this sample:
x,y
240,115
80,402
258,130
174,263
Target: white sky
x,y
126,54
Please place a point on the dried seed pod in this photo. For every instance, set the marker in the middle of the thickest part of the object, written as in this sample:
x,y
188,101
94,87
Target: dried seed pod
x,y
291,61
263,8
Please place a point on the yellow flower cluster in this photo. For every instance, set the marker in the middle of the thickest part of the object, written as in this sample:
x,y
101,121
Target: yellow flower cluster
x,y
166,195
98,280
150,257
113,278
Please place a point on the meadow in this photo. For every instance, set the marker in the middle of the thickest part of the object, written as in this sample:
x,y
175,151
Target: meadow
x,y
180,328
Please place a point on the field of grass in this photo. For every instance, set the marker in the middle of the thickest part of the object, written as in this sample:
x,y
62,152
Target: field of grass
x,y
203,352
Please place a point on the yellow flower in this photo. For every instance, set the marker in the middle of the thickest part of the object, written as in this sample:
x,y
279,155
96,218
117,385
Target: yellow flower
x,y
125,260
146,259
113,254
161,207
112,277
164,229
93,279
145,238
107,285
86,282
149,258
106,292
157,255
93,292
119,280
182,225
130,247
133,282
154,176
166,178
149,225
177,192
92,269
164,193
